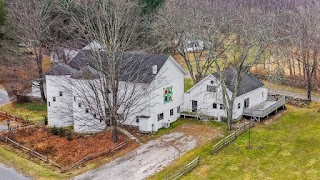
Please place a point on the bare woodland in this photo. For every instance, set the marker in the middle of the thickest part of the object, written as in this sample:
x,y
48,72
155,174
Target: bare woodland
x,y
280,38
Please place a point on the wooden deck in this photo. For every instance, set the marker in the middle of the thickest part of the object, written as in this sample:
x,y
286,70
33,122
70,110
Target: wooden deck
x,y
266,108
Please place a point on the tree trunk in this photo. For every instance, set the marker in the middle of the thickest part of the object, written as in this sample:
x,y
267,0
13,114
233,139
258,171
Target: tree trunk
x,y
309,88
114,134
38,57
229,117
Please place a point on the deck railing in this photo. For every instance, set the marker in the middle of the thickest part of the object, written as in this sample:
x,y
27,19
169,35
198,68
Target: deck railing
x,y
263,113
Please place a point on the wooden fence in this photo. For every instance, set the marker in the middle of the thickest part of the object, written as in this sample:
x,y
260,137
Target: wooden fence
x,y
93,156
184,170
23,122
46,159
31,152
228,139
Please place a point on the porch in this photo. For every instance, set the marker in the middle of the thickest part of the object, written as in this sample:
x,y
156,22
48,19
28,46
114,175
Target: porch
x,y
266,108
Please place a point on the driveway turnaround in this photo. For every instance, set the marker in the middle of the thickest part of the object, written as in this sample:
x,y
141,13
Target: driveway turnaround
x,y
8,174
146,160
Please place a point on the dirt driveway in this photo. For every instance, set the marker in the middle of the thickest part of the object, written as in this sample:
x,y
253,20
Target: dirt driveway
x,y
154,155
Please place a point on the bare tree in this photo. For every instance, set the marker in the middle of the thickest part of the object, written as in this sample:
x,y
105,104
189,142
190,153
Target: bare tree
x,y
112,84
32,20
196,30
305,39
253,30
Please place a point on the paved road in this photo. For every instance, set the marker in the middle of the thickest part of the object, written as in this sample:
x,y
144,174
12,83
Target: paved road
x,y
3,127
3,97
7,173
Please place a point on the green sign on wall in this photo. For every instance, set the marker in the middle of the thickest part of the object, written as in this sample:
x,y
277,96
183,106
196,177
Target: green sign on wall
x,y
167,94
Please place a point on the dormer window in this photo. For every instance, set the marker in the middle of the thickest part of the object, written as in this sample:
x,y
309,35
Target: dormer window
x,y
154,69
60,93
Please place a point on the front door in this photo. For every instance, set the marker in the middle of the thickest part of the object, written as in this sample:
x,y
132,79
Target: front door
x,y
194,106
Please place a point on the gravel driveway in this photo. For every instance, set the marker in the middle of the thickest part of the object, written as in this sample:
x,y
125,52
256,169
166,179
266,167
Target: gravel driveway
x,y
146,160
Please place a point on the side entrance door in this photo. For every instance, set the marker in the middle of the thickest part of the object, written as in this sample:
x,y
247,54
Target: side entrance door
x,y
194,106
246,103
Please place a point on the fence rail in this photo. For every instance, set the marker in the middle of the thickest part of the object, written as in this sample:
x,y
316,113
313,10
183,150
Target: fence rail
x,y
184,170
93,156
228,139
46,159
31,152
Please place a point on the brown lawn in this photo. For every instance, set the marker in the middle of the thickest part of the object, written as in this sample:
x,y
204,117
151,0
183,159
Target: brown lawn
x,y
65,152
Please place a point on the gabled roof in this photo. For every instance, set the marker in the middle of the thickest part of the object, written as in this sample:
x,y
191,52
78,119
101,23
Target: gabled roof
x,y
86,72
132,67
61,69
249,81
200,82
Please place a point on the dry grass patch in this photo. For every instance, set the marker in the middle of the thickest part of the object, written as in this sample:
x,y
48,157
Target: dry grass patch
x,y
64,151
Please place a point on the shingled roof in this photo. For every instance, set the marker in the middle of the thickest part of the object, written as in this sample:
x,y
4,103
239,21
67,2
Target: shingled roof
x,y
249,81
61,69
86,72
132,67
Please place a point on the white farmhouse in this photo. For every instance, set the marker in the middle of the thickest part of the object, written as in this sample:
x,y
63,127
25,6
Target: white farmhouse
x,y
205,98
158,78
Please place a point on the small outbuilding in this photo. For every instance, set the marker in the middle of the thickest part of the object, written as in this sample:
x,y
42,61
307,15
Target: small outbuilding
x,y
205,98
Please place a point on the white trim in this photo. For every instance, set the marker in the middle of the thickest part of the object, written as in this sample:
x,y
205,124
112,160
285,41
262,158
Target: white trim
x,y
200,82
178,65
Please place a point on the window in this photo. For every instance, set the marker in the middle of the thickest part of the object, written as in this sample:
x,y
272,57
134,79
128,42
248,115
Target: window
x,y
74,98
171,112
48,103
87,110
178,109
137,119
214,106
54,99
100,119
221,106
79,104
60,93
239,105
95,115
211,88
246,103
160,116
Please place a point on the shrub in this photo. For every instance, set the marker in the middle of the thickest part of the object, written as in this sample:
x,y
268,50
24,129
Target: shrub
x,y
69,136
54,130
61,132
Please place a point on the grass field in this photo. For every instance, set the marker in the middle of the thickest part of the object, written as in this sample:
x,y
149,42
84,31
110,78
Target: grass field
x,y
34,112
285,149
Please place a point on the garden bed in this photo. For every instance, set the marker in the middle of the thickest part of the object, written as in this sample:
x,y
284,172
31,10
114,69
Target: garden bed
x,y
66,148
